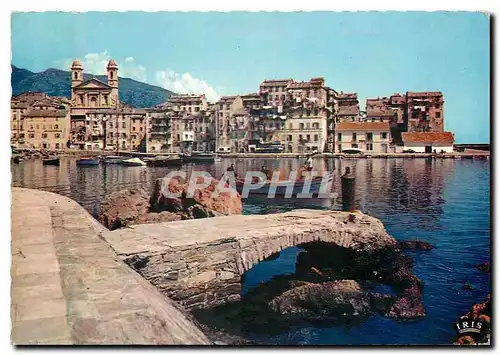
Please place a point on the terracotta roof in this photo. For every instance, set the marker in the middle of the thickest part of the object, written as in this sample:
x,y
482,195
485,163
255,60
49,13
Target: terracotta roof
x,y
363,126
428,137
380,113
46,113
274,82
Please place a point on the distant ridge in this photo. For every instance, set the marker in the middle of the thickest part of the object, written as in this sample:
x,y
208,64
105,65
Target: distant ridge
x,y
56,82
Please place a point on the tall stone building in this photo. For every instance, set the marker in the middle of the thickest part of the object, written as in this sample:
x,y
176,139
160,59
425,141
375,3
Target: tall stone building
x,y
98,119
348,107
425,112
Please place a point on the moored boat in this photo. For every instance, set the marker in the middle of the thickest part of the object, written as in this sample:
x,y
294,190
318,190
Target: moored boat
x,y
87,161
297,187
51,161
133,162
112,159
198,157
162,160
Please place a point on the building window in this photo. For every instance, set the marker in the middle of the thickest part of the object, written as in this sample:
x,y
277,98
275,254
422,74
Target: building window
x,y
56,126
31,135
15,117
384,135
308,137
354,137
369,136
289,138
44,135
301,126
438,114
105,101
111,75
339,137
57,146
133,128
354,145
21,135
316,138
76,75
57,135
80,99
124,125
369,146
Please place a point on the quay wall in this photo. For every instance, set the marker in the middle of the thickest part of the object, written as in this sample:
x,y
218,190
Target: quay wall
x,y
69,287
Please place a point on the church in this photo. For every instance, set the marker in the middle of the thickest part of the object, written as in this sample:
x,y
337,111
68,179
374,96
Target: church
x,y
98,119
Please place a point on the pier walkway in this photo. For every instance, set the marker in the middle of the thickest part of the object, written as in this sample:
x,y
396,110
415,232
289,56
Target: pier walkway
x,y
69,287
200,262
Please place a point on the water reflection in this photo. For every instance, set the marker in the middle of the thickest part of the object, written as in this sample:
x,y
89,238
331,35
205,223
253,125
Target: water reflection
x,y
409,185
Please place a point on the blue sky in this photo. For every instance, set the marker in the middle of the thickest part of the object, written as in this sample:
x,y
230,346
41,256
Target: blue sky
x,y
372,53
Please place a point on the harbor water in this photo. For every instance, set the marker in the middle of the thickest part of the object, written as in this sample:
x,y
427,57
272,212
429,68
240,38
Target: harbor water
x,y
445,202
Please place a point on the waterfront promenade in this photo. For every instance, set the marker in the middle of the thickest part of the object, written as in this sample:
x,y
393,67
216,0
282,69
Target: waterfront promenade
x,y
68,286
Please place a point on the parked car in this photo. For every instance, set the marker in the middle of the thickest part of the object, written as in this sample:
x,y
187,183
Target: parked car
x,y
352,151
409,151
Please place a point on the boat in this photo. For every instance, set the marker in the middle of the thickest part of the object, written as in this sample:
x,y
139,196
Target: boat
x,y
51,161
198,157
133,162
87,161
112,159
281,189
162,160
352,151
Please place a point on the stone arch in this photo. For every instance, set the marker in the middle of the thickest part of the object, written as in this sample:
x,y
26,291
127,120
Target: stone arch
x,y
200,262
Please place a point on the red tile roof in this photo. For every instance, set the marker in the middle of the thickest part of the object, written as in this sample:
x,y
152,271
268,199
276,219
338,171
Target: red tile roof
x,y
428,137
363,126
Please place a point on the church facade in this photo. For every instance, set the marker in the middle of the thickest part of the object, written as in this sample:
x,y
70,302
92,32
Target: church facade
x,y
98,119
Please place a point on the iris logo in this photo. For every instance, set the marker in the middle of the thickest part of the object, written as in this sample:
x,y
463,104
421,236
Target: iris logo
x,y
468,326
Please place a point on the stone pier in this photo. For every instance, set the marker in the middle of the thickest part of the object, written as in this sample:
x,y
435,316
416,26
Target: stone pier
x,y
200,262
69,287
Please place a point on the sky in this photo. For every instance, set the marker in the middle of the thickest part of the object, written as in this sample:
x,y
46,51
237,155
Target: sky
x,y
371,53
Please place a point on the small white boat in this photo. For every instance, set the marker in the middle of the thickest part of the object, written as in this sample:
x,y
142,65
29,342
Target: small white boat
x,y
133,162
352,151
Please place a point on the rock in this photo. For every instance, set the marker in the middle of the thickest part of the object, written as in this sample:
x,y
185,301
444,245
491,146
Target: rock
x,y
206,202
409,306
135,206
483,266
336,299
415,245
123,208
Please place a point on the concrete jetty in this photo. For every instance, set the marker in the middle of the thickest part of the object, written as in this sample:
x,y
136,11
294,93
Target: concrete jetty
x,y
69,287
200,262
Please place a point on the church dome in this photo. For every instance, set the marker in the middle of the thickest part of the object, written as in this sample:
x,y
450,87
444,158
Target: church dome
x,y
112,64
76,64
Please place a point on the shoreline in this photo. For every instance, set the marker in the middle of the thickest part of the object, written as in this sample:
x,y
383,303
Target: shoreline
x,y
476,154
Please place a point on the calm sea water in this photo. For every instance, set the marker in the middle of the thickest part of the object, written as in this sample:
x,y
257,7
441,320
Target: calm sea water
x,y
445,202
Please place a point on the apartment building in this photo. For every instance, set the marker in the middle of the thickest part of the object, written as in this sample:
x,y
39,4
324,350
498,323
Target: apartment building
x,y
274,92
425,112
232,123
368,136
348,107
307,117
39,121
159,131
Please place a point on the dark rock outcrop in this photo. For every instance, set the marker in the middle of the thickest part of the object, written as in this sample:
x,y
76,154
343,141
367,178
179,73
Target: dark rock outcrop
x,y
135,206
486,267
336,299
414,245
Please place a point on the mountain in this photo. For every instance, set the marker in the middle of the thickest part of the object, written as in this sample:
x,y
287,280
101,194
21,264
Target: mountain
x,y
57,82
